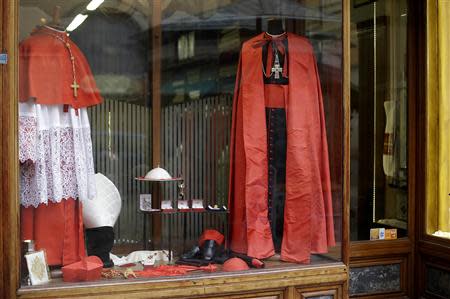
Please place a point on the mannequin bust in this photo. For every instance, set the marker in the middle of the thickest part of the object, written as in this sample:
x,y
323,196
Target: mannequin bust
x,y
56,19
275,26
275,29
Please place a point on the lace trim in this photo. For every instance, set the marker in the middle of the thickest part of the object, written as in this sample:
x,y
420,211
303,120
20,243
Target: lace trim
x,y
63,164
27,136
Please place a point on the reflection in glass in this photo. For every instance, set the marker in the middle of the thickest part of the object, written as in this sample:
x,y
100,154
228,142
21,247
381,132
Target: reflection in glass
x,y
197,91
167,81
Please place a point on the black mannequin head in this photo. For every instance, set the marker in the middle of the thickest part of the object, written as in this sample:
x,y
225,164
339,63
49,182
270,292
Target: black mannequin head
x,y
275,26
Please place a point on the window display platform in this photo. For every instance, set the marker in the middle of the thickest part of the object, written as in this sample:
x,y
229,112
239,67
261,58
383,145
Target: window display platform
x,y
278,277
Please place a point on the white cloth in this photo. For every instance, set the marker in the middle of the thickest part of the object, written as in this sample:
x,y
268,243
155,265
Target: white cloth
x,y
389,157
147,258
55,151
104,209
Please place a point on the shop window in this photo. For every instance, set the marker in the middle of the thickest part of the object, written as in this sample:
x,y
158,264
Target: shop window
x,y
155,97
379,131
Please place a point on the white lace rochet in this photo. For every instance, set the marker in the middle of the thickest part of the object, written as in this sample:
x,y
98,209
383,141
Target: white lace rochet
x,y
55,152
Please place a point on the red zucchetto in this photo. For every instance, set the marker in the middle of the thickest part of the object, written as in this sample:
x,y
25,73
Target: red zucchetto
x,y
235,264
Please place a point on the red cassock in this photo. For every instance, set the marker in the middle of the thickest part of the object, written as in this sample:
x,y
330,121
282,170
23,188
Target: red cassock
x,y
308,215
57,228
46,74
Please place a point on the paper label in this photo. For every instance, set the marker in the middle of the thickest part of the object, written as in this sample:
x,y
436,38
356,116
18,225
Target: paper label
x,y
183,204
145,202
166,205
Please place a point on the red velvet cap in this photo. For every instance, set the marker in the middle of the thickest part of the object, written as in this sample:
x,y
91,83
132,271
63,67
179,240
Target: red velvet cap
x,y
211,234
235,264
88,269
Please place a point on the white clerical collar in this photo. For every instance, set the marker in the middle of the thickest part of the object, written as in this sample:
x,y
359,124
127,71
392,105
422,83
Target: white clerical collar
x,y
54,29
275,35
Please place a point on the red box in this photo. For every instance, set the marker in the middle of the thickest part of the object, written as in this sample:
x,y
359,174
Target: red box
x,y
88,269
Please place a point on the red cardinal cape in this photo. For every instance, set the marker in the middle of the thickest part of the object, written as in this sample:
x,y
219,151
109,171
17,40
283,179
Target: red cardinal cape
x,y
308,215
47,73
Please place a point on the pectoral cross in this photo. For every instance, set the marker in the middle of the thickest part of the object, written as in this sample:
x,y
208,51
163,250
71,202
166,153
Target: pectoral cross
x,y
277,69
75,87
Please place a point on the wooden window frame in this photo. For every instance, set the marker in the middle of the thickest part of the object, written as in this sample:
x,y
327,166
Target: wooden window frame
x,y
303,276
430,249
372,252
435,23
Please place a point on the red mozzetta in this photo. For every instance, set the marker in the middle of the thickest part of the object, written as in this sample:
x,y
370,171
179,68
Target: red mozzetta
x,y
53,70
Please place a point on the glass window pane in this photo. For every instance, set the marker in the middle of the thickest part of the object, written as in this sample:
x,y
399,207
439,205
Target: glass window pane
x,y
379,130
208,123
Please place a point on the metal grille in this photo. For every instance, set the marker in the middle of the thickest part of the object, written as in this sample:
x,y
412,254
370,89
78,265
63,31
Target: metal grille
x,y
121,138
195,140
194,144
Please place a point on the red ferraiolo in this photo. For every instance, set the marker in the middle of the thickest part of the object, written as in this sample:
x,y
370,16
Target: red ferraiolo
x,y
308,216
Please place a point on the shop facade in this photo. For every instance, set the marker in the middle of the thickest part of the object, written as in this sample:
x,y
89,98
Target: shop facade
x,y
345,194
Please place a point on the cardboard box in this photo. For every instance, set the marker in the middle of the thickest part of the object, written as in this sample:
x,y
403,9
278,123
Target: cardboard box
x,y
383,234
391,234
374,234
